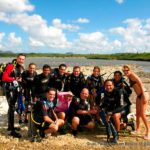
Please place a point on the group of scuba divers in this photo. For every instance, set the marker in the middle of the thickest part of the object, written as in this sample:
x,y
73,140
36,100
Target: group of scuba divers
x,y
58,98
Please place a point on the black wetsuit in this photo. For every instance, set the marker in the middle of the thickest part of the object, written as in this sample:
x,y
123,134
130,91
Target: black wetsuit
x,y
124,89
58,81
75,84
80,104
43,108
41,83
112,102
28,84
95,83
12,92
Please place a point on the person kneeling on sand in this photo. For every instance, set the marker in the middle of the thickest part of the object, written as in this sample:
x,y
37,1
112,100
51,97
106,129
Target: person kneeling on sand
x,y
44,116
82,115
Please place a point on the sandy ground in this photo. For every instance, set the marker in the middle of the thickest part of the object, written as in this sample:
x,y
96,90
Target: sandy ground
x,y
91,140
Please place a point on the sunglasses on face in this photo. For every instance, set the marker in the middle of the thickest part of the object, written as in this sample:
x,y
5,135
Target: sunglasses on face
x,y
126,70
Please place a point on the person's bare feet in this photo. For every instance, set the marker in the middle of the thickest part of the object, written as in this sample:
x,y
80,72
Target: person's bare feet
x,y
136,132
147,137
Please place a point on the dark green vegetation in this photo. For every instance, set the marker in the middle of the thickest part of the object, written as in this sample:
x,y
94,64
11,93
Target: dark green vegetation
x,y
119,56
122,56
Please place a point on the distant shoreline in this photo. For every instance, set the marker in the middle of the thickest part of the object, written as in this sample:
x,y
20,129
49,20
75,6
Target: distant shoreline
x,y
118,56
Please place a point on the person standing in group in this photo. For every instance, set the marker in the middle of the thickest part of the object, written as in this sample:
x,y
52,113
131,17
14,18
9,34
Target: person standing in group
x,y
11,77
95,84
42,81
59,77
75,82
141,100
28,86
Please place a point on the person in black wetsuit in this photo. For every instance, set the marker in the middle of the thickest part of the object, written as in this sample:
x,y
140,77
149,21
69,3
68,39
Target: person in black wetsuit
x,y
112,105
43,113
95,84
124,89
28,85
59,77
81,112
11,79
42,81
75,82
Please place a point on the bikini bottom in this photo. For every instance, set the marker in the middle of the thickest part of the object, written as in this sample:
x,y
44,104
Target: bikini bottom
x,y
140,96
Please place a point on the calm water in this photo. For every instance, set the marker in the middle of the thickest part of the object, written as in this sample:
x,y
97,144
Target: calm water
x,y
54,62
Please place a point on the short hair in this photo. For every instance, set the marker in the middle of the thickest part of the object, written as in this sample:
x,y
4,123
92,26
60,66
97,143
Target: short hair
x,y
84,89
96,67
21,54
46,66
31,64
108,80
76,67
62,65
119,72
50,89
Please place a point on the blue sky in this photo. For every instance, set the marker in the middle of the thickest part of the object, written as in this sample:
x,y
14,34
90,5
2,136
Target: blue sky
x,y
78,26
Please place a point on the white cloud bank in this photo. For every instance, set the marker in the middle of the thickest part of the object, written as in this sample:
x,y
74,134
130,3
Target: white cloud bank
x,y
135,36
40,34
11,42
15,6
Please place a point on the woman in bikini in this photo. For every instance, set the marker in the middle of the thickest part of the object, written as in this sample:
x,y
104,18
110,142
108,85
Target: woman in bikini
x,y
141,100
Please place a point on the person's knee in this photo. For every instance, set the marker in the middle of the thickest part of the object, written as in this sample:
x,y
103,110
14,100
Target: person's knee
x,y
75,120
61,122
143,115
62,115
54,128
90,125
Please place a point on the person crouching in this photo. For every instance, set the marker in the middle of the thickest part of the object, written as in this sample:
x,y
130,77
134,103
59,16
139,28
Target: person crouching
x,y
44,116
82,115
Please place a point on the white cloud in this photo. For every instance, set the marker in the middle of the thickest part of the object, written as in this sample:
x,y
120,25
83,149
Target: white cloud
x,y
120,1
13,40
3,17
132,36
135,37
39,32
92,37
82,20
2,34
95,42
15,6
27,22
35,43
58,24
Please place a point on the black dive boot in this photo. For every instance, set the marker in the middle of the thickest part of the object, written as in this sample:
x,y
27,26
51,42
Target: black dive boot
x,y
114,133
